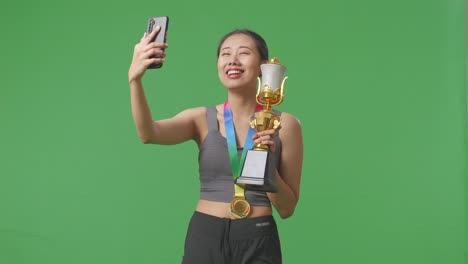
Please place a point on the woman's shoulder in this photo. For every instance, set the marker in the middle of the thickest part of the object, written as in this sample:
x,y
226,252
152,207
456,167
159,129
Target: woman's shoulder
x,y
193,112
290,126
290,119
199,114
203,109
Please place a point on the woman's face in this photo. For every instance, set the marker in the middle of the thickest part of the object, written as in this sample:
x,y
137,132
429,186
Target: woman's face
x,y
238,62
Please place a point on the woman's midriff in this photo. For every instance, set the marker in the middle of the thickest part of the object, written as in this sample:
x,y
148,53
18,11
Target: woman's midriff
x,y
223,210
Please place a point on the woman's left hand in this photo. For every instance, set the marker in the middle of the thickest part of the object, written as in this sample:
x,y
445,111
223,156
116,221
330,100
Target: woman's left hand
x,y
265,137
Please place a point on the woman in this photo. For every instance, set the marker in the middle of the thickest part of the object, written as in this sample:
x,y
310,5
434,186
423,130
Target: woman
x,y
214,234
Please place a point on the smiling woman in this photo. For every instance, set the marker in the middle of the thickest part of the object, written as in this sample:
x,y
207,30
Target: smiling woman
x,y
239,62
222,132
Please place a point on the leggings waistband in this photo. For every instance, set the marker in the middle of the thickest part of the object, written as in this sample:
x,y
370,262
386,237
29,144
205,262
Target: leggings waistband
x,y
233,229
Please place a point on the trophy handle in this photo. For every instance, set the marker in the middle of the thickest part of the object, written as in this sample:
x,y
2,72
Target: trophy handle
x,y
276,122
259,84
253,123
282,90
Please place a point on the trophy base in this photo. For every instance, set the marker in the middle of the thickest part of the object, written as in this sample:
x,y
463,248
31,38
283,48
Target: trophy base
x,y
258,172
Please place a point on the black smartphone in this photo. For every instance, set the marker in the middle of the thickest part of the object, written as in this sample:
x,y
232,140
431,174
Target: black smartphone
x,y
163,22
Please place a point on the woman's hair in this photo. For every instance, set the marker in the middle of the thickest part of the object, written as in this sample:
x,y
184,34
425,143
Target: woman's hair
x,y
259,42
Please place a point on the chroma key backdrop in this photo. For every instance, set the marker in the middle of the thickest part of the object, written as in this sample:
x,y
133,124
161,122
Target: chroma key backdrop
x,y
379,88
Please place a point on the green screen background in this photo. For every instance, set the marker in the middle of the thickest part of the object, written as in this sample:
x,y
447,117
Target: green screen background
x,y
379,87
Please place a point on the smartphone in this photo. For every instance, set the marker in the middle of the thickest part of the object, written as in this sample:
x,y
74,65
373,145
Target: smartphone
x,y
163,22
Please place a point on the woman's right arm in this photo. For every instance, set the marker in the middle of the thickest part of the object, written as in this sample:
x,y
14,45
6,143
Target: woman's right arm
x,y
175,130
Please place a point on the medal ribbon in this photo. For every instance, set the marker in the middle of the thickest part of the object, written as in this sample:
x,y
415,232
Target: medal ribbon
x,y
236,164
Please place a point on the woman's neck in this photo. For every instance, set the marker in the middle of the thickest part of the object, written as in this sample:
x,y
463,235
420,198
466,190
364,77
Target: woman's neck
x,y
242,104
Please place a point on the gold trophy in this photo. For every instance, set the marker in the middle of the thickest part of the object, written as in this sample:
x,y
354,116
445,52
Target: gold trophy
x,y
258,171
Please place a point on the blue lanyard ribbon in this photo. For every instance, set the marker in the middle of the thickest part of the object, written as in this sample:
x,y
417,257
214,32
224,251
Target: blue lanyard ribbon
x,y
236,164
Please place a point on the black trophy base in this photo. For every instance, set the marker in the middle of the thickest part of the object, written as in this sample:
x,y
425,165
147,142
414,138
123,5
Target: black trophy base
x,y
258,172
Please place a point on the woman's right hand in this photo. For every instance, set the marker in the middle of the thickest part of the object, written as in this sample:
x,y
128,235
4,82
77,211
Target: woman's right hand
x,y
142,53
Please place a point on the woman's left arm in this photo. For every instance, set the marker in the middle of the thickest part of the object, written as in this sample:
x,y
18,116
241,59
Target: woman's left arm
x,y
288,177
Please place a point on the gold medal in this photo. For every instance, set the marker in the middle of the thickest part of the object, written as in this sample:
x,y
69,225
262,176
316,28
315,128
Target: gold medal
x,y
240,208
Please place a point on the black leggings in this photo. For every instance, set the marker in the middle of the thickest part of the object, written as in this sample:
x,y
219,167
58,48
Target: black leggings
x,y
211,239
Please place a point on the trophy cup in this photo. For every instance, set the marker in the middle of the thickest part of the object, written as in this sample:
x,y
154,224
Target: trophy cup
x,y
258,171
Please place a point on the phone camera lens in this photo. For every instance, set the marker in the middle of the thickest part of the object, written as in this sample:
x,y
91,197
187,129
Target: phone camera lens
x,y
151,25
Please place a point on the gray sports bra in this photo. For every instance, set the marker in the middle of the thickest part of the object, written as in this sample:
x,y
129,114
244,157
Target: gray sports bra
x,y
216,181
